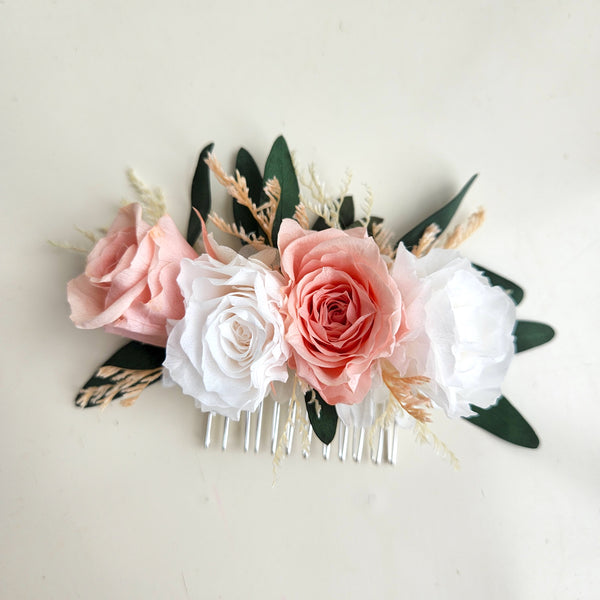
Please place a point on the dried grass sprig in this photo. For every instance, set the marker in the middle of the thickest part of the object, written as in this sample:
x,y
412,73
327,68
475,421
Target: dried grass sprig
x,y
237,188
285,436
366,206
152,201
126,384
427,240
463,231
69,247
403,389
301,216
424,435
383,239
252,239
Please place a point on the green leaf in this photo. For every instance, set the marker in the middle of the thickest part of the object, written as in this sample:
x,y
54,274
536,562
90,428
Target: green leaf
x,y
200,196
325,424
279,164
347,212
441,218
512,289
248,168
346,216
372,221
529,334
506,422
136,366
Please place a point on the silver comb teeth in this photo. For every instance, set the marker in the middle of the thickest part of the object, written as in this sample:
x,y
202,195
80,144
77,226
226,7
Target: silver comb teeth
x,y
385,440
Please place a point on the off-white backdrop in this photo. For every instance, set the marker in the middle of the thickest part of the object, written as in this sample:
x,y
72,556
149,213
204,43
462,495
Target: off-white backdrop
x,y
414,97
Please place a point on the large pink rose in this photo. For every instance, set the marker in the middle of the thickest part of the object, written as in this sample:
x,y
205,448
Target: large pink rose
x,y
129,286
343,311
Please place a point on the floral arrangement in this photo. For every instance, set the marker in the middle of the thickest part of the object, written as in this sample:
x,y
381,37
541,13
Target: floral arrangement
x,y
337,314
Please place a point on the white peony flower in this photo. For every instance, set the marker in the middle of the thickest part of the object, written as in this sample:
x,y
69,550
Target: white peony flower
x,y
229,347
469,326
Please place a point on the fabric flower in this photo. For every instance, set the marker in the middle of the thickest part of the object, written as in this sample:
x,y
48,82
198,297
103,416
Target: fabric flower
x,y
465,342
229,347
129,286
342,309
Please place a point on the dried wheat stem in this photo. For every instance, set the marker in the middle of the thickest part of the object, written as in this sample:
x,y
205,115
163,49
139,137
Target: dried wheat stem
x,y
427,240
403,389
464,231
238,232
237,188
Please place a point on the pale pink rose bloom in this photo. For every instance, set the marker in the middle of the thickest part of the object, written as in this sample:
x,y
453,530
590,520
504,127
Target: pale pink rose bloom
x,y
129,286
342,309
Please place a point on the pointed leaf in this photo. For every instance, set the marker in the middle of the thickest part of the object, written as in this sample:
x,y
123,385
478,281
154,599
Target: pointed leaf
x,y
123,376
279,164
512,289
325,424
347,212
248,168
506,422
441,218
346,216
529,334
372,221
200,196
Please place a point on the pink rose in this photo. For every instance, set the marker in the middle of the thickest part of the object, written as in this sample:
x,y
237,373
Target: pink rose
x,y
342,309
129,286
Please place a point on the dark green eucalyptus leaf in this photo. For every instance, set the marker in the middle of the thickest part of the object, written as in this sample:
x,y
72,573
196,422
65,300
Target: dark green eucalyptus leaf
x,y
441,218
346,216
319,224
372,221
200,196
512,289
248,168
506,422
279,164
347,212
123,376
529,334
325,424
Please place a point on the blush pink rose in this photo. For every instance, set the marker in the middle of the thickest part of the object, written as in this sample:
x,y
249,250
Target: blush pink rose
x,y
342,309
129,286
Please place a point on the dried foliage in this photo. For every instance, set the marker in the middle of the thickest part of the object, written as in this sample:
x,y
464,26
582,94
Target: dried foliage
x,y
152,201
403,389
123,384
237,188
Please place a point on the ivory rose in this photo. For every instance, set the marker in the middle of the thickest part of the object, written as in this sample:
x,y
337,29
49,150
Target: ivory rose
x,y
229,348
462,330
342,309
129,286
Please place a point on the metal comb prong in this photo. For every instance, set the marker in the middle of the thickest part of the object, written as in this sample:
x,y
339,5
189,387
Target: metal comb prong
x,y
326,451
259,418
394,444
225,433
389,441
380,442
360,445
275,428
291,427
247,418
343,449
306,451
209,420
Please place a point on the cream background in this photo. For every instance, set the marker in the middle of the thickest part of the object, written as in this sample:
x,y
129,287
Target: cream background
x,y
414,97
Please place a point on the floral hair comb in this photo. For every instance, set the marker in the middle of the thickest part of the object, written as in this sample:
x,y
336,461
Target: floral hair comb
x,y
354,329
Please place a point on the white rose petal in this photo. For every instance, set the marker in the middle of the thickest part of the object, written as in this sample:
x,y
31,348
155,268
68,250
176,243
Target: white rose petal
x,y
229,347
469,326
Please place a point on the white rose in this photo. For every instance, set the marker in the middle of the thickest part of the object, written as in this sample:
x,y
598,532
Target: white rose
x,y
229,347
469,326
